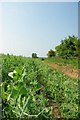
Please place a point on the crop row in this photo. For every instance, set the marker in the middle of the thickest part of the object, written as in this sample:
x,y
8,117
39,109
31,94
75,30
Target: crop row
x,y
28,85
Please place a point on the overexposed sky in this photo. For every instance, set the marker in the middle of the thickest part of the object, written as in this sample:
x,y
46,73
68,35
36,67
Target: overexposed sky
x,y
40,0
36,27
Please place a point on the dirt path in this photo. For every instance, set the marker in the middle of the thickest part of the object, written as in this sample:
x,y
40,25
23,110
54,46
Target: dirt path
x,y
55,110
67,70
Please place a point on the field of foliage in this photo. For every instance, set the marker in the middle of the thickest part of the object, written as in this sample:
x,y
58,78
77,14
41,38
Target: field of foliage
x,y
28,86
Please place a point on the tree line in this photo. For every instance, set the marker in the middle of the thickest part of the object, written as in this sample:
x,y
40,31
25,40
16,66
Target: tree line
x,y
68,48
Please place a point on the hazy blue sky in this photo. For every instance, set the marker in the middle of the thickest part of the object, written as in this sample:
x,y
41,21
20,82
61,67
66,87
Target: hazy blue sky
x,y
36,27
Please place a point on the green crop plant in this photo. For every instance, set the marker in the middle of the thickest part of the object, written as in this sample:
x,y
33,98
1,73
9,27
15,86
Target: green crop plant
x,y
28,85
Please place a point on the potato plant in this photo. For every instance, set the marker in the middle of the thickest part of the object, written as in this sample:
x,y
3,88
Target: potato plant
x,y
28,85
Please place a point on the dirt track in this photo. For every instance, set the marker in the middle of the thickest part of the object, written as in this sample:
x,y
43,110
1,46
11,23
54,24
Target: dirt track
x,y
67,70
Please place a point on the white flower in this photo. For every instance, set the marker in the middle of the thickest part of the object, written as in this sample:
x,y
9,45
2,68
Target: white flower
x,y
11,74
14,71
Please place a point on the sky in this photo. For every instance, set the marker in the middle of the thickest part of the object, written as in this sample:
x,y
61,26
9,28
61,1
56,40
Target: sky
x,y
39,0
36,27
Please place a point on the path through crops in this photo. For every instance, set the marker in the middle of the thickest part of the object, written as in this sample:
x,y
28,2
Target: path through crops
x,y
67,70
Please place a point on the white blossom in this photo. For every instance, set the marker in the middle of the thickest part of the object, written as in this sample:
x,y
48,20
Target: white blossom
x,y
11,74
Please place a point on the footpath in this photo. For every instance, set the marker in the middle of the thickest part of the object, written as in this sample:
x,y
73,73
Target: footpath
x,y
66,69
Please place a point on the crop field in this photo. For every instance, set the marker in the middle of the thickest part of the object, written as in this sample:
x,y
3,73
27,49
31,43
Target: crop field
x,y
31,90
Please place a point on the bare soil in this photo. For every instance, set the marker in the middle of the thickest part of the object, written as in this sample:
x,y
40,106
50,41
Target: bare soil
x,y
55,110
67,70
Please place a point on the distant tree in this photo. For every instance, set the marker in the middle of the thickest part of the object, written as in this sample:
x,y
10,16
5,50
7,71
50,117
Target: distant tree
x,y
51,53
42,59
68,47
34,55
